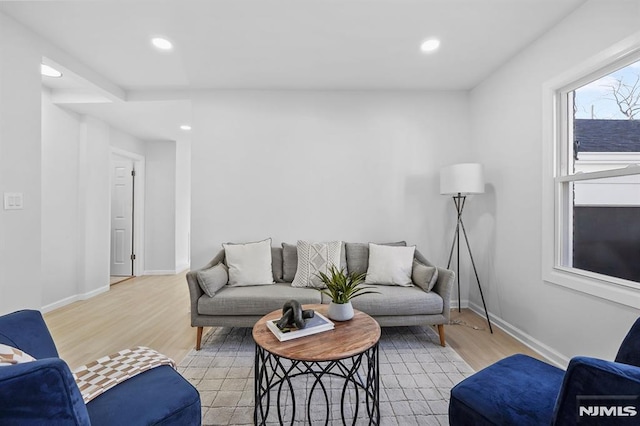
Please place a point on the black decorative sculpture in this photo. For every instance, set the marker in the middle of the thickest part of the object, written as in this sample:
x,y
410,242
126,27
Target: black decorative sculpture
x,y
293,315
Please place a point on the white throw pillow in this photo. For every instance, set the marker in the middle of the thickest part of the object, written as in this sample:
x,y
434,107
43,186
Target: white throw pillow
x,y
314,258
249,264
389,265
11,356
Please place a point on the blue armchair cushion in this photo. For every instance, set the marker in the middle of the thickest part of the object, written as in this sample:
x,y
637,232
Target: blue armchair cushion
x,y
158,396
518,390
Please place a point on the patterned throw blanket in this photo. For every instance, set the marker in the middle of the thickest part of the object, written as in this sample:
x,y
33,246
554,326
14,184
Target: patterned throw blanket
x,y
99,376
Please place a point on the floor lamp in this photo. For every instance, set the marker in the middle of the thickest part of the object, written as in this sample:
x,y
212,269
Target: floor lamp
x,y
459,181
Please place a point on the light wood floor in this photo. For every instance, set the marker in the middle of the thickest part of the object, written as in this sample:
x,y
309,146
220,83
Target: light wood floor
x,y
117,279
469,335
153,311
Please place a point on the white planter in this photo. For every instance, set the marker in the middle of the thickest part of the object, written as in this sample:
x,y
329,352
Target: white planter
x,y
340,311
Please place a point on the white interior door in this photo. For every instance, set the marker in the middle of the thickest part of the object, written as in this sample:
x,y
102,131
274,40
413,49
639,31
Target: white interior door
x,y
121,217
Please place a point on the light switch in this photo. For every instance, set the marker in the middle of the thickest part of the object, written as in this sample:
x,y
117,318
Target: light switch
x,y
13,201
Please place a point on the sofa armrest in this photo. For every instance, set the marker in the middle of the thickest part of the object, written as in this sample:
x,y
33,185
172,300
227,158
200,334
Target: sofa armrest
x,y
40,392
443,286
27,331
593,377
195,291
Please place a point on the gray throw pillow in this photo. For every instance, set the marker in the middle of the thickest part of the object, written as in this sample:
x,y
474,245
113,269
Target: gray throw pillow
x,y
213,279
289,262
424,276
276,264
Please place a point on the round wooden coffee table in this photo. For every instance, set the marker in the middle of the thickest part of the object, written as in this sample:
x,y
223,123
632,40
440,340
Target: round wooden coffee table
x,y
349,352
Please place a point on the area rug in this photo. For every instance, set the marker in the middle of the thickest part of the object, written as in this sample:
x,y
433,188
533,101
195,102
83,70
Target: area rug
x,y
416,375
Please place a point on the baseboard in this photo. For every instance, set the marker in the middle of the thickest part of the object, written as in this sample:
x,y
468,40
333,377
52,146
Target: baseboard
x,y
60,303
95,292
549,353
160,272
178,270
75,298
463,304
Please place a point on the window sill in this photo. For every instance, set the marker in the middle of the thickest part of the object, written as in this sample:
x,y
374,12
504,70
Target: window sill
x,y
614,290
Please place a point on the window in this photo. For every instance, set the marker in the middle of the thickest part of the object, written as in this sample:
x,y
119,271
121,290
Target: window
x,y
597,176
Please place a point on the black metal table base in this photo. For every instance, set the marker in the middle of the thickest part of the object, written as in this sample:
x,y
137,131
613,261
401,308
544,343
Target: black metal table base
x,y
357,379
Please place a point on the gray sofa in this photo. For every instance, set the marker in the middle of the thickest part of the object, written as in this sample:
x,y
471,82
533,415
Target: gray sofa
x,y
392,306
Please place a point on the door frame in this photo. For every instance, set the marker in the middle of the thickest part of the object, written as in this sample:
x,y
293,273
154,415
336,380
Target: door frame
x,y
138,212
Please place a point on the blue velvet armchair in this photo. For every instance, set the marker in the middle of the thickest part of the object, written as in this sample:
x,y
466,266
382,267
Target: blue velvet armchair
x,y
43,392
520,390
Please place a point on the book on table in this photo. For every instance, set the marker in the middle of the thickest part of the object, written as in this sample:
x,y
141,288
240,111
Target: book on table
x,y
317,324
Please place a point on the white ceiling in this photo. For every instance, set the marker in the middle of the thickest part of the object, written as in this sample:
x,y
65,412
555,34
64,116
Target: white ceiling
x,y
287,44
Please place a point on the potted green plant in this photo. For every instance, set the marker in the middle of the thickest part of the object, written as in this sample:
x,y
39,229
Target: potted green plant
x,y
341,288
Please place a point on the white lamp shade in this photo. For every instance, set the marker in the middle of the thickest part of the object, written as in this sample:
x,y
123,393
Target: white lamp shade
x,y
466,178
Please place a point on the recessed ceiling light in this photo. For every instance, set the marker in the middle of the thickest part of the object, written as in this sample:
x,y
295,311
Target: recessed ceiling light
x,y
49,71
185,127
430,45
162,43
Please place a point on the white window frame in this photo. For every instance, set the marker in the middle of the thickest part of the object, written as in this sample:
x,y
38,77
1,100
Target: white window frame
x,y
556,136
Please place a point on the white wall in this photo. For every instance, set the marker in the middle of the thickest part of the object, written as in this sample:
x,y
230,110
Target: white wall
x,y
76,154
183,204
354,166
507,132
125,141
61,165
60,231
75,213
56,249
20,154
93,200
160,208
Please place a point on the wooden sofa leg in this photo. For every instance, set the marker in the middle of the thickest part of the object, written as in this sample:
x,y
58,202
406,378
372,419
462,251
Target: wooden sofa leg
x,y
199,338
441,333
